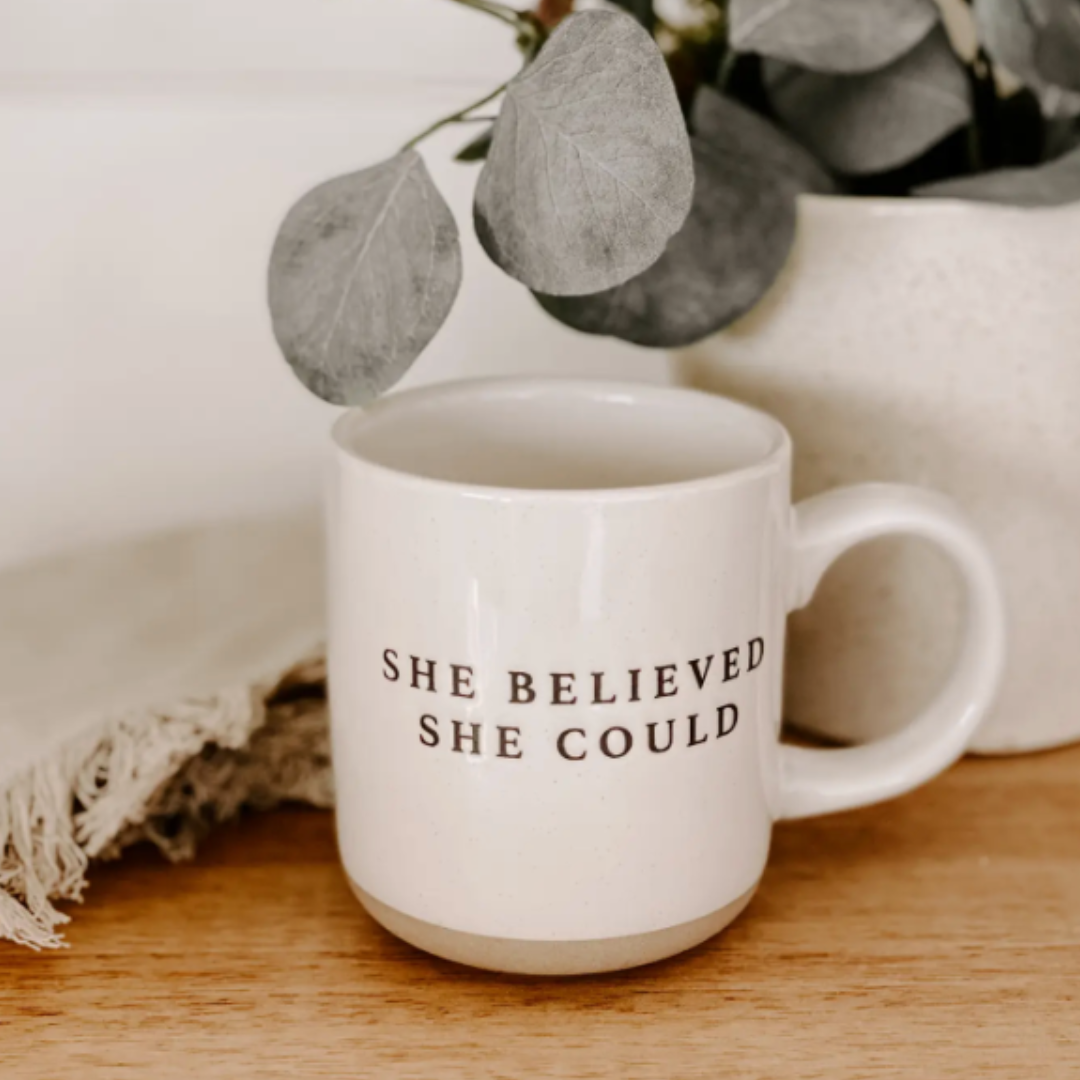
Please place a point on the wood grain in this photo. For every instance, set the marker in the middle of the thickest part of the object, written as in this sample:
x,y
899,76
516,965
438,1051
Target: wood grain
x,y
936,936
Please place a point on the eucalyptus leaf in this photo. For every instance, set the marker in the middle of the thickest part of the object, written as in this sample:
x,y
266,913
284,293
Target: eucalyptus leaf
x,y
863,124
642,10
590,171
1056,183
1057,45
1057,103
835,36
1008,35
364,272
1017,35
1061,136
731,128
476,149
732,247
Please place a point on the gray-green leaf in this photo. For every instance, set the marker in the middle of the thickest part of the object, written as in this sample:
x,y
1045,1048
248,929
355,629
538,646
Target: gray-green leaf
x,y
1008,35
734,130
1056,183
1016,33
1058,103
732,247
642,10
589,172
364,272
475,149
837,36
1057,48
863,124
1060,137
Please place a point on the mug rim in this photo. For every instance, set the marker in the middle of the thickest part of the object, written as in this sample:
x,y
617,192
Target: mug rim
x,y
353,420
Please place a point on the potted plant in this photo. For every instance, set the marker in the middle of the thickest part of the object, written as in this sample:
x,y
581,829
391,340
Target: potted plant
x,y
847,211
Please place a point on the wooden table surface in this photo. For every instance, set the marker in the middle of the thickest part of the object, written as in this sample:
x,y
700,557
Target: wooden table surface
x,y
937,936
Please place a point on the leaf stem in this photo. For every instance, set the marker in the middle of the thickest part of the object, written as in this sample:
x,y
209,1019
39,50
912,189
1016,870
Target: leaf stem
x,y
727,69
499,11
462,116
531,36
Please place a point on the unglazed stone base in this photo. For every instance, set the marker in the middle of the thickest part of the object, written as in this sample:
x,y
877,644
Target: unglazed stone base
x,y
551,957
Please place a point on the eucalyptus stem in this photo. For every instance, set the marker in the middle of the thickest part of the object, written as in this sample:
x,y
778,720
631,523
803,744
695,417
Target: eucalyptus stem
x,y
727,69
530,38
462,116
499,11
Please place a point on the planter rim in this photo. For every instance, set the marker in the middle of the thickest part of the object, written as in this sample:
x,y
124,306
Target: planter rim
x,y
878,206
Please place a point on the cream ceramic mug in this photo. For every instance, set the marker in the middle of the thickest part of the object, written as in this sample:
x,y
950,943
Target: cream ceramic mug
x,y
556,655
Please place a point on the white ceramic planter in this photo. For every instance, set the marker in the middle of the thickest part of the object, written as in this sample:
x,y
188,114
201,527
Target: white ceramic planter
x,y
150,151
936,343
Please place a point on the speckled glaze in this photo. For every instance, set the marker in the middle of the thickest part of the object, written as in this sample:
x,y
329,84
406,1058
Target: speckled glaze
x,y
938,343
557,616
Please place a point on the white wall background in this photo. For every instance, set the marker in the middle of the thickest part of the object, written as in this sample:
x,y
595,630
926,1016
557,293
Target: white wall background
x,y
150,148
432,39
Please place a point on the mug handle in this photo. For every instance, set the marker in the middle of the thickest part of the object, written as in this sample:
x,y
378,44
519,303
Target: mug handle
x,y
823,781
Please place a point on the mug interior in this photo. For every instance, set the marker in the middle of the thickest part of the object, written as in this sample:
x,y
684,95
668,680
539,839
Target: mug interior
x,y
559,435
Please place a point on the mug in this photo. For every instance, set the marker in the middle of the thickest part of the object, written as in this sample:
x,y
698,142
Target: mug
x,y
557,614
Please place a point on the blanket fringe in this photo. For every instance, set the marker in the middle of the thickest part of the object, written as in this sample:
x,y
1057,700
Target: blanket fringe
x,y
165,776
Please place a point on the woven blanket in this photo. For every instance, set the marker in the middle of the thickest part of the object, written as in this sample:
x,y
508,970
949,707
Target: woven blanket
x,y
148,691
